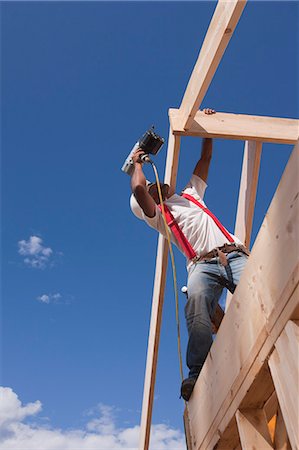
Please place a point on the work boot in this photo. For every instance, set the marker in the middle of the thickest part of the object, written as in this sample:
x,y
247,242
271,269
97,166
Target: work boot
x,y
187,388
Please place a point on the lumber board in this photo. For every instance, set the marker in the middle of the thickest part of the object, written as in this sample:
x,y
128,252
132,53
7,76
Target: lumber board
x,y
221,28
285,372
258,392
238,352
247,191
247,196
244,395
188,435
271,406
281,440
237,127
251,436
255,383
157,306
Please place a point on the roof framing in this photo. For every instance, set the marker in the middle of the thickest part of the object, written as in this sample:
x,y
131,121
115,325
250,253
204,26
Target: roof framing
x,y
237,126
222,26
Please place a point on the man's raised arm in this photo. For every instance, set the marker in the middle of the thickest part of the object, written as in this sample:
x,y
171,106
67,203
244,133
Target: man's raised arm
x,y
202,167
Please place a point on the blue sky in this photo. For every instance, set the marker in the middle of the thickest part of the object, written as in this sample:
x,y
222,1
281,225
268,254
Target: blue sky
x,y
80,83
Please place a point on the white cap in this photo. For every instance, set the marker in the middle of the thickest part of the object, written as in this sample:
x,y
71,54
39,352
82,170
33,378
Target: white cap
x,y
136,209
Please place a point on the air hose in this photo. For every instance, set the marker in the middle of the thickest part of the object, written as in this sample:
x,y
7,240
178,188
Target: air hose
x,y
167,233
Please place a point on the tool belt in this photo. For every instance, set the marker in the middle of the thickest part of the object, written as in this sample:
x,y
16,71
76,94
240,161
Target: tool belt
x,y
221,252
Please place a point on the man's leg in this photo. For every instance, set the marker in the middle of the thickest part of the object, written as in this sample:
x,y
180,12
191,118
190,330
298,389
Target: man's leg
x,y
204,291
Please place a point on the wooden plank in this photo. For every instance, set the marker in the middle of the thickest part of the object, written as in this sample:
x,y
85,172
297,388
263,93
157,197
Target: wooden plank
x,y
238,127
259,393
247,191
281,440
245,328
222,26
283,309
271,426
172,161
271,406
245,396
157,306
251,435
188,435
284,369
247,195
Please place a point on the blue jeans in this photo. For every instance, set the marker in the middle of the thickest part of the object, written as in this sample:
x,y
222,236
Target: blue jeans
x,y
206,281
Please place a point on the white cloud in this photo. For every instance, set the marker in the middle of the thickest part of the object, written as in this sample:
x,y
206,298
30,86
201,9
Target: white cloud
x,y
47,298
100,433
44,298
11,409
36,255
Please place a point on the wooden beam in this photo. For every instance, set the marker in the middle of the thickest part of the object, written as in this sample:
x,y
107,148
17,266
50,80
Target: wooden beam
x,y
247,196
285,372
281,440
271,406
247,191
237,126
188,435
172,162
157,306
256,385
222,26
253,430
266,297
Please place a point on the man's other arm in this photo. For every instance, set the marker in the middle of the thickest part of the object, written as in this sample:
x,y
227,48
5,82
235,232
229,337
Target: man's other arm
x,y
138,186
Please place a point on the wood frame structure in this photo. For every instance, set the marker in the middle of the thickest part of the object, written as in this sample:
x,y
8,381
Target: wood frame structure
x,y
236,394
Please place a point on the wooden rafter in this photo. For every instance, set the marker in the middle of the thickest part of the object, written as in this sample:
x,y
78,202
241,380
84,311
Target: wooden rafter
x,y
222,26
237,126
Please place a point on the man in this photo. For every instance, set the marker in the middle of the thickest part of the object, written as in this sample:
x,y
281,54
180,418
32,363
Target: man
x,y
215,258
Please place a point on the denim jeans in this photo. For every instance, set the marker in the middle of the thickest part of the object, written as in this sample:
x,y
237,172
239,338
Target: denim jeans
x,y
206,281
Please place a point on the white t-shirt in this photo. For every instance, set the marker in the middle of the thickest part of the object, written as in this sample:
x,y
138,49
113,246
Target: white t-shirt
x,y
198,227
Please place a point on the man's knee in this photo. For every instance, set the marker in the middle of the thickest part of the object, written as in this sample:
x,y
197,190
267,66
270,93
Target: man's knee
x,y
198,309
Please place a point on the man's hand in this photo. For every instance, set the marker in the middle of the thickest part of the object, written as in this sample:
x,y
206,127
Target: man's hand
x,y
137,155
209,111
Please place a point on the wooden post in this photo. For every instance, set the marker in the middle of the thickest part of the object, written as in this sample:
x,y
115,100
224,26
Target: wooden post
x,y
157,305
285,372
247,195
247,192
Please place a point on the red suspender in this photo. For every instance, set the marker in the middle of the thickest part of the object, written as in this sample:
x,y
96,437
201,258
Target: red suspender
x,y
206,210
177,232
181,238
